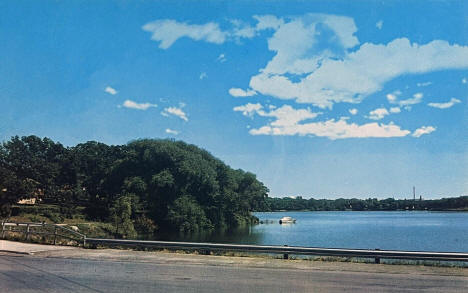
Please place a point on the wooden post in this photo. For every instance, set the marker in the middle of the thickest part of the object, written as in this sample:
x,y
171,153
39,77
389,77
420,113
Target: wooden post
x,y
377,259
27,232
55,235
84,240
285,256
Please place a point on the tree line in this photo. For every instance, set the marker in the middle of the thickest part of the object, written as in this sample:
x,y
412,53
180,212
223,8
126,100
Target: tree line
x,y
142,186
370,204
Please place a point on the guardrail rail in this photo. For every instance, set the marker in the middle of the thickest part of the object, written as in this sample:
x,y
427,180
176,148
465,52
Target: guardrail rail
x,y
56,231
286,250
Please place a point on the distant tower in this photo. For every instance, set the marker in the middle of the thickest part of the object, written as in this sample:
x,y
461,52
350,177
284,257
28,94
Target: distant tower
x,y
414,193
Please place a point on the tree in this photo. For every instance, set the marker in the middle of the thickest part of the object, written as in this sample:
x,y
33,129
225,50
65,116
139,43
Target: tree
x,y
121,214
186,215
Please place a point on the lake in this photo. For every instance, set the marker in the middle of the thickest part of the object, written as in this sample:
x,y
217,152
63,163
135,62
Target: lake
x,y
399,230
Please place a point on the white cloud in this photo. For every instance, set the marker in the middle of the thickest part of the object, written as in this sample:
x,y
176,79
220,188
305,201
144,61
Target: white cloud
x,y
203,75
138,106
288,116
379,24
353,111
302,70
395,110
178,112
446,105
237,92
167,31
318,58
391,98
242,29
170,131
221,58
423,130
285,115
248,109
110,90
422,84
265,22
378,114
416,99
290,121
464,80
334,130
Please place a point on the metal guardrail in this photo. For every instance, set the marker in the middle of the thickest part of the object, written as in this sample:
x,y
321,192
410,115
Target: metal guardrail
x,y
206,247
286,250
28,228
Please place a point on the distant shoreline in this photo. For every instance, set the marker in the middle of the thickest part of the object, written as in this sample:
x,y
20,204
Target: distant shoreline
x,y
449,210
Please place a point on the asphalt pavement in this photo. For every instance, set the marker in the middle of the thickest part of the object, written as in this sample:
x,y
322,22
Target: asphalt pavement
x,y
86,270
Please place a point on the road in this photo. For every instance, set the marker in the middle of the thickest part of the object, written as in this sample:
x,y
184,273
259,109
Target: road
x,y
136,272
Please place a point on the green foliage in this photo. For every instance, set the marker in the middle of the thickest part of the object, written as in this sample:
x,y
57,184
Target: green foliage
x,y
121,215
187,215
370,204
145,225
143,185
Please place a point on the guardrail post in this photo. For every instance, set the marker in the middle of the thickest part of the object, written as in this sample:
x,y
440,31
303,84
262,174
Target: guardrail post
x,y
84,240
27,231
377,259
285,256
3,229
55,235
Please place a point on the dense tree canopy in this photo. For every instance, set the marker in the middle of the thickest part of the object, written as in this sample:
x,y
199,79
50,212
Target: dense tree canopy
x,y
145,184
370,204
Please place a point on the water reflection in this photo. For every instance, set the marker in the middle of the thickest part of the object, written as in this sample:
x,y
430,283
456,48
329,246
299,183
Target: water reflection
x,y
425,231
241,235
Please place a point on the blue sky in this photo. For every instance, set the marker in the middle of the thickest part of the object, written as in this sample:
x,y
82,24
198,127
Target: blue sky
x,y
322,99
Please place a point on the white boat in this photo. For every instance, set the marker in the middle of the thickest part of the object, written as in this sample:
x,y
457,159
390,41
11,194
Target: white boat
x,y
287,220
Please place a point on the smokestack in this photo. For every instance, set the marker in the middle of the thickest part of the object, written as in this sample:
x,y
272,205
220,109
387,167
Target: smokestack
x,y
414,193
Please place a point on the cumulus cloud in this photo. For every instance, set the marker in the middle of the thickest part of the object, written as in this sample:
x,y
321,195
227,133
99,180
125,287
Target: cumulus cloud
x,y
110,90
167,31
395,110
379,24
355,75
353,111
446,105
170,131
290,121
242,29
423,130
416,99
422,84
265,22
221,58
285,115
138,106
391,98
378,114
237,92
248,109
314,63
334,130
178,112
318,58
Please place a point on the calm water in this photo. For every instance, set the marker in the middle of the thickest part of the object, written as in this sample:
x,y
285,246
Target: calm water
x,y
424,231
